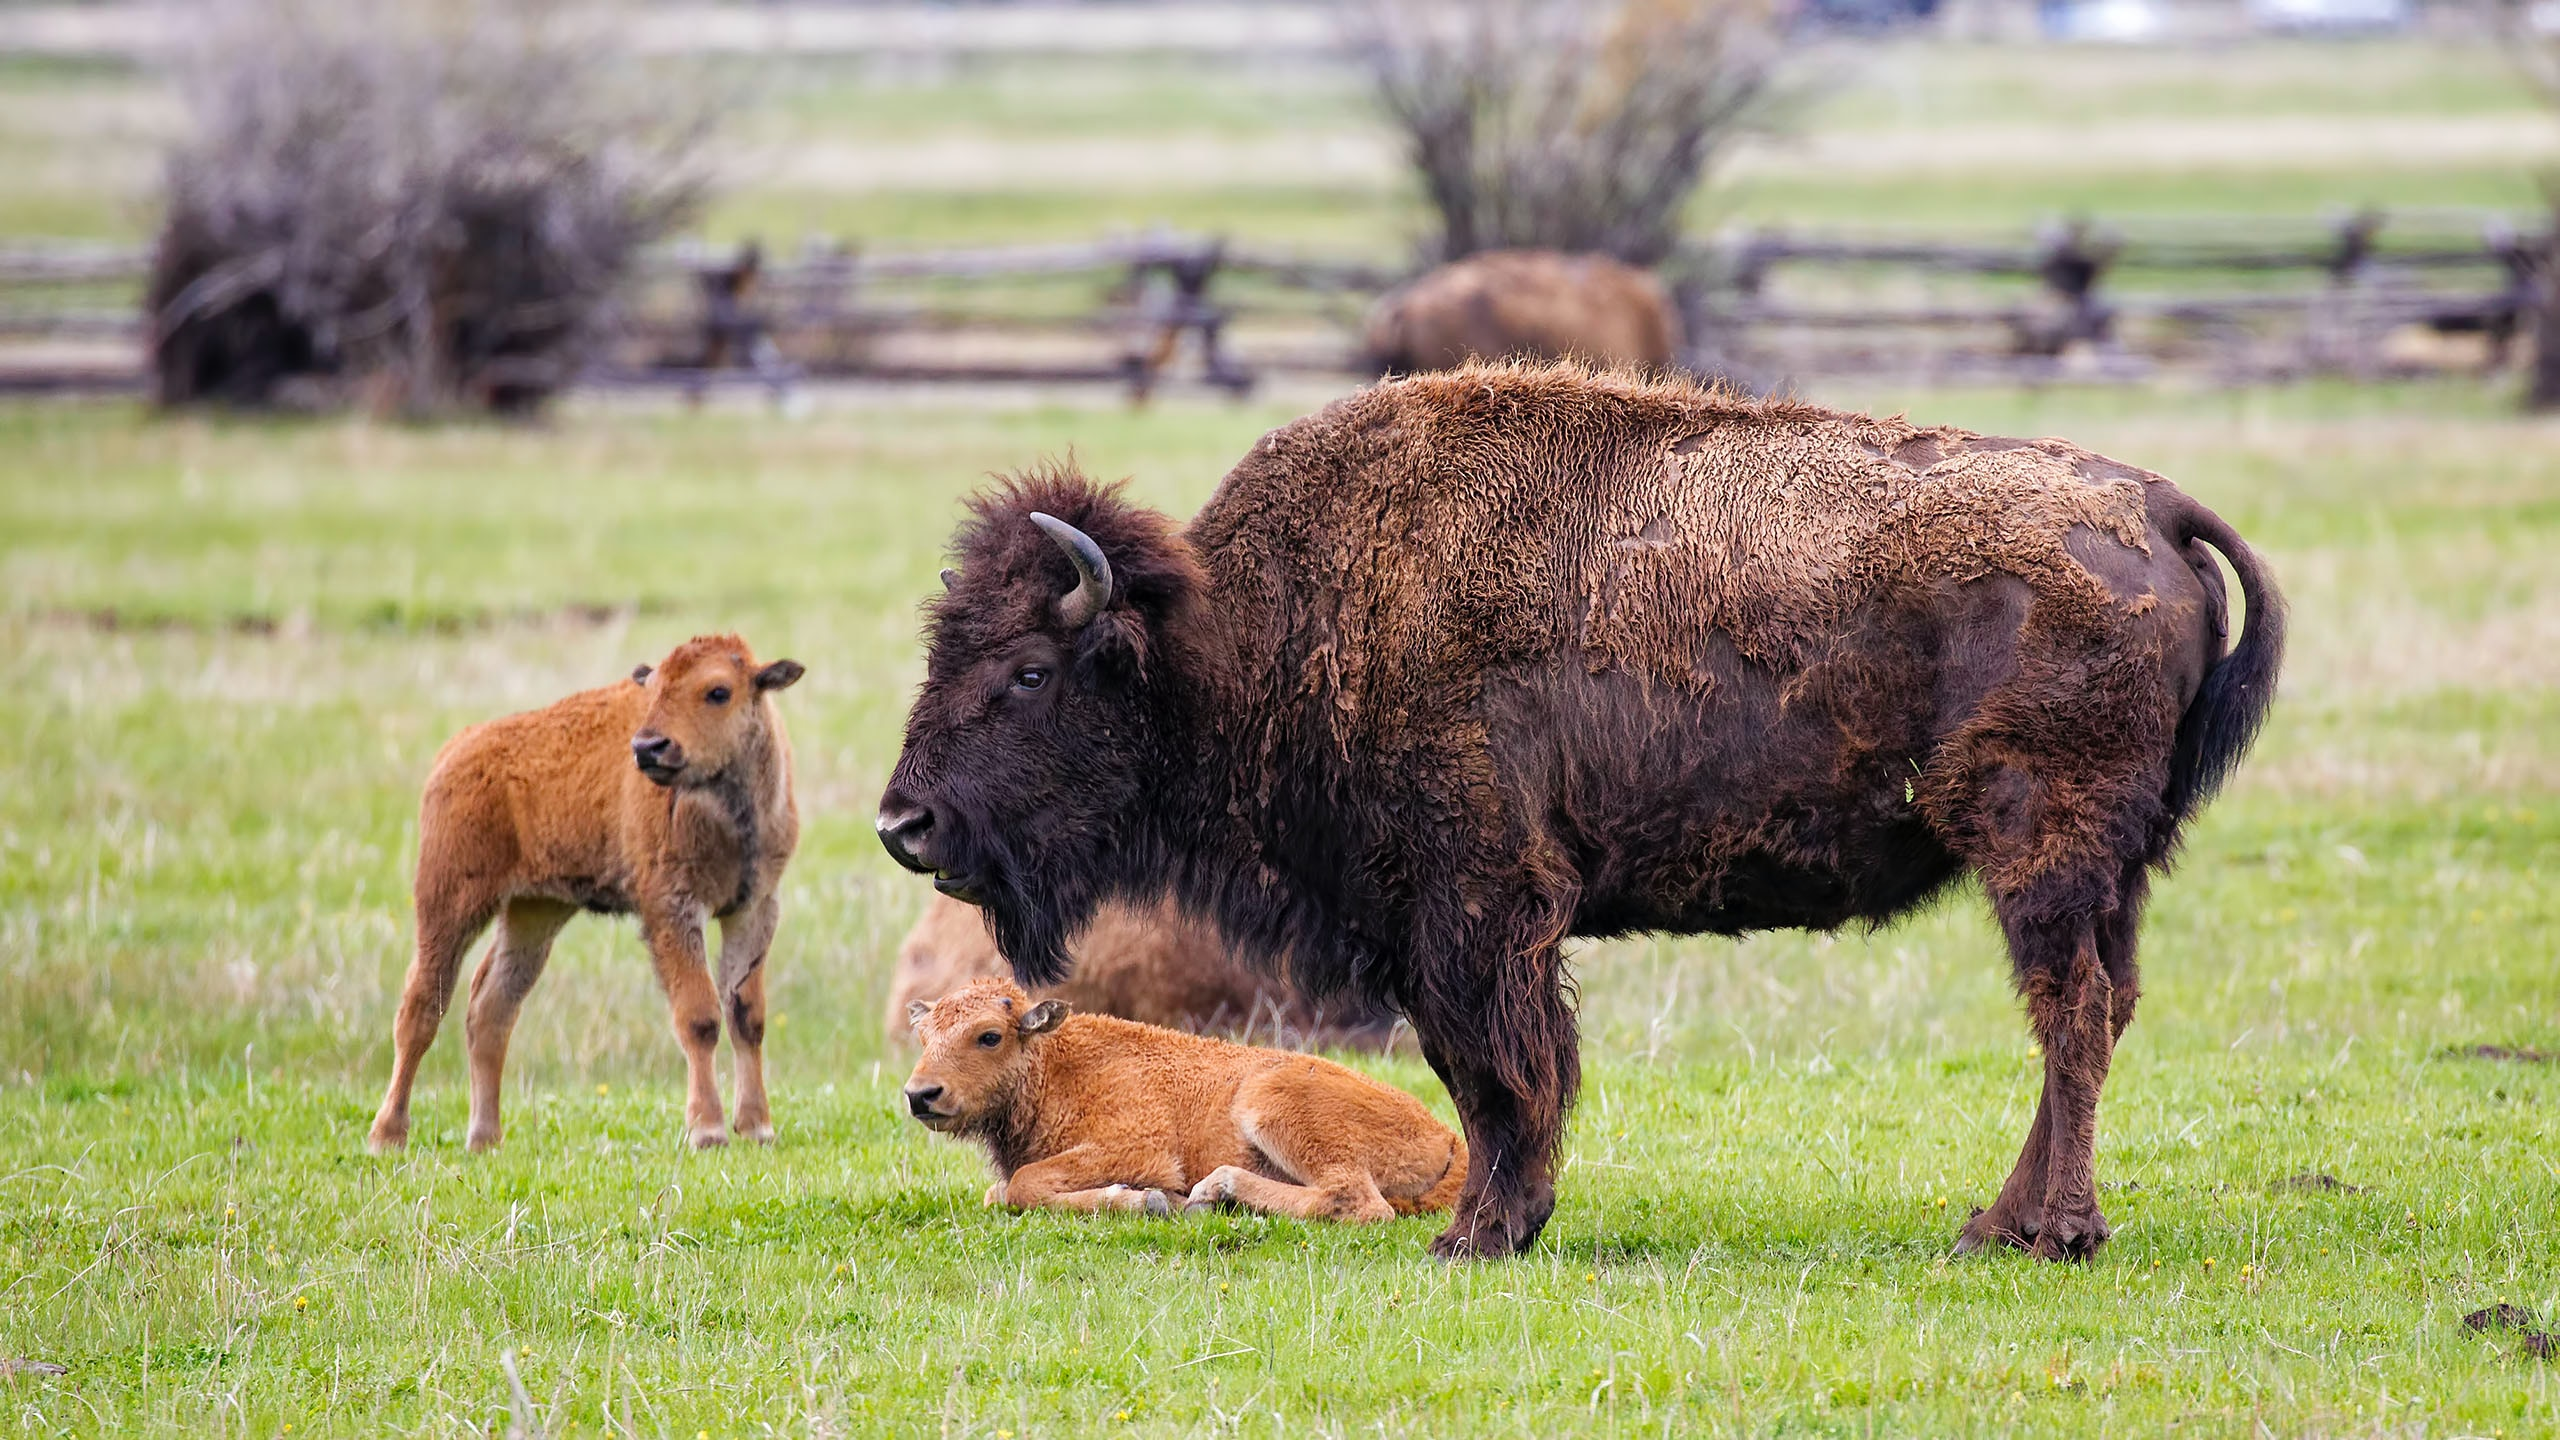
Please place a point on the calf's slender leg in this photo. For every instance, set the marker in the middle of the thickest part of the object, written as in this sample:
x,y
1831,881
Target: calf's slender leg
x,y
1352,1198
526,928
1086,1178
674,936
1317,1141
449,917
745,938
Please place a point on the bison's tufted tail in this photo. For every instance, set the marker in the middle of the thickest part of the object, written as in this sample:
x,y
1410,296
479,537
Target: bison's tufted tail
x,y
1443,1194
2216,730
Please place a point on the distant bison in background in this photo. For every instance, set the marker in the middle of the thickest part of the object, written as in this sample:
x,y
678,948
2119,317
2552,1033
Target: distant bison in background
x,y
1525,304
667,795
1138,962
1469,663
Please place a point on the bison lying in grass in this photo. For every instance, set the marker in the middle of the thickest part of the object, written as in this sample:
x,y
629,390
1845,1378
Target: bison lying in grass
x,y
1525,304
668,795
1086,1112
1470,663
1147,963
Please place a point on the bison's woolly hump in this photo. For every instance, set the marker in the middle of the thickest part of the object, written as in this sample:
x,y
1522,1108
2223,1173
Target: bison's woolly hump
x,y
1467,664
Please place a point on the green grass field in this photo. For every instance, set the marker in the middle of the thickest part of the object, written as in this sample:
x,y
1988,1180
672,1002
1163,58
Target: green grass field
x,y
230,648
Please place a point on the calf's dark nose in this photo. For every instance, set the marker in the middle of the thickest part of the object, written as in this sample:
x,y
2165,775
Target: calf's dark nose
x,y
920,1100
651,748
905,832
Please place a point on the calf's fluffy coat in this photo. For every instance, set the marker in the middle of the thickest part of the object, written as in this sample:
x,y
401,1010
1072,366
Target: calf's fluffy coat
x,y
1088,1112
668,796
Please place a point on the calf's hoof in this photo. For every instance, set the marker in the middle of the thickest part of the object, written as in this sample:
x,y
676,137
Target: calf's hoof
x,y
1158,1204
761,1132
480,1141
1218,1187
387,1139
709,1137
995,1195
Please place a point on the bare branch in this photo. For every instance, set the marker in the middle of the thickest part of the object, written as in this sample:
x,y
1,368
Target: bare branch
x,y
1569,125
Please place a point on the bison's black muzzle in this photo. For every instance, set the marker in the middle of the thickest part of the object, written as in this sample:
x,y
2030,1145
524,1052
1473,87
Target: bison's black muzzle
x,y
906,832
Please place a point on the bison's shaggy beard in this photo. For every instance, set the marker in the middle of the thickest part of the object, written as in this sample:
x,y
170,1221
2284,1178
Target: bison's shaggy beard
x,y
1031,906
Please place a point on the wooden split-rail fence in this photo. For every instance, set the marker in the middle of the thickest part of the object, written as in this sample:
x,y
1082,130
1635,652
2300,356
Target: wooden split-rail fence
x,y
2369,294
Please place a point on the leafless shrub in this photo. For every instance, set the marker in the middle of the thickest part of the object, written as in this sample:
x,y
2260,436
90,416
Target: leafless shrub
x,y
423,203
2525,34
1568,124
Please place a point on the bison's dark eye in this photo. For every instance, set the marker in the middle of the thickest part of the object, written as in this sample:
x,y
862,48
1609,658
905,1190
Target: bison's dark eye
x,y
718,695
990,1040
1030,678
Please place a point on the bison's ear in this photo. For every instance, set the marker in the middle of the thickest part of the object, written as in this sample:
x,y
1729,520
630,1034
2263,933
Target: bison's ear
x,y
780,675
1044,1017
950,577
640,676
916,1011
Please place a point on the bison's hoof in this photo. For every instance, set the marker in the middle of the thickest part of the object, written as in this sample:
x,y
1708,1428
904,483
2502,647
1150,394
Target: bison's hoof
x,y
1987,1228
1487,1241
2075,1237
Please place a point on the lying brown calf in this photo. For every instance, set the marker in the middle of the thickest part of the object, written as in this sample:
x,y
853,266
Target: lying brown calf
x,y
1087,1112
668,795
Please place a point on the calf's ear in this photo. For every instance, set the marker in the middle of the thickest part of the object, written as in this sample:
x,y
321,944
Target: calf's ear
x,y
640,675
1044,1017
780,675
916,1011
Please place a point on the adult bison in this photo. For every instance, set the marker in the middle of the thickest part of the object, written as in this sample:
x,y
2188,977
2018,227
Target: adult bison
x,y
1469,663
1525,304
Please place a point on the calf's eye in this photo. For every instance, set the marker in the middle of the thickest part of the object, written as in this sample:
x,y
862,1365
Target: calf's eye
x,y
1030,677
718,695
990,1040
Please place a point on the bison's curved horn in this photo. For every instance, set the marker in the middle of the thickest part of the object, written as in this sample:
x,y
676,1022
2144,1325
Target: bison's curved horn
x,y
1093,571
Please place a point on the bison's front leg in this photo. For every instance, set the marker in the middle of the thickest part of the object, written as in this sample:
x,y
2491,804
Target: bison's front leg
x,y
1512,1062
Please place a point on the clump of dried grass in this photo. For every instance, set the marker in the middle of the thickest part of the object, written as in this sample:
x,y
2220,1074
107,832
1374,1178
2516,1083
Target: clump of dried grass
x,y
1575,125
423,204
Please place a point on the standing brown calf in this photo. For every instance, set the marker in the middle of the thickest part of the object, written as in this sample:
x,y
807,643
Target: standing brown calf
x,y
1088,1112
668,796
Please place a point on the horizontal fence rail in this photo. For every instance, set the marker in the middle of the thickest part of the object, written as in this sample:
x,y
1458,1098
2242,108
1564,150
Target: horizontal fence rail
x,y
2364,294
